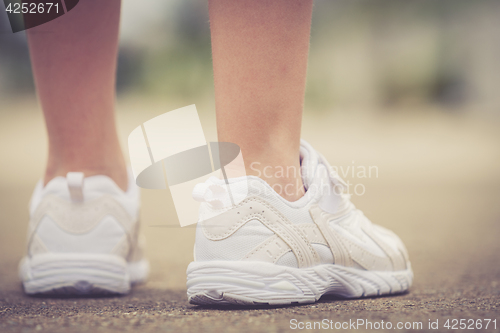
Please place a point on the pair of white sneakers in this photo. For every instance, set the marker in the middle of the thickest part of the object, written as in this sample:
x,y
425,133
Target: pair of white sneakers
x,y
83,238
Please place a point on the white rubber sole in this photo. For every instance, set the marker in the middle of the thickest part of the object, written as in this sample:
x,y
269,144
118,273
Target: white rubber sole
x,y
256,283
80,274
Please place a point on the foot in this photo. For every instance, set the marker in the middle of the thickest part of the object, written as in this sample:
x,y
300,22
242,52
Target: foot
x,y
83,237
266,250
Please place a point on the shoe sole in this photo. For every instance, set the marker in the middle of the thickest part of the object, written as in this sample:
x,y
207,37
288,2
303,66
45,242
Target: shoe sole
x,y
259,283
80,274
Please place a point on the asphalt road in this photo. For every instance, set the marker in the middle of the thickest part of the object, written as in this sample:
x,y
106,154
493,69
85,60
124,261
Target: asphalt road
x,y
438,187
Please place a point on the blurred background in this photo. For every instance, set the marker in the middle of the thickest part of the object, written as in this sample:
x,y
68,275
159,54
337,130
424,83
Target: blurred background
x,y
370,55
411,87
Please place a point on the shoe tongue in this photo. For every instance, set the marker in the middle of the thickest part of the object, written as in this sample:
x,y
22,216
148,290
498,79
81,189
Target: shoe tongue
x,y
308,162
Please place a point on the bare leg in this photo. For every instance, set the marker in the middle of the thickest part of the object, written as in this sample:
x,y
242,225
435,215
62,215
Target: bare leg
x,y
74,63
260,51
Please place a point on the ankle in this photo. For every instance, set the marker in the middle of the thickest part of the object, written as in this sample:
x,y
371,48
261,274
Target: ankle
x,y
289,189
284,180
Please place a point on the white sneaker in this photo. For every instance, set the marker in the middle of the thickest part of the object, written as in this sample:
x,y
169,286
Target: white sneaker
x,y
267,250
83,237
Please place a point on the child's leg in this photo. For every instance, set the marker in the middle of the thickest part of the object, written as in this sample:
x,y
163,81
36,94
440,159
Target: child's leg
x,y
260,51
74,63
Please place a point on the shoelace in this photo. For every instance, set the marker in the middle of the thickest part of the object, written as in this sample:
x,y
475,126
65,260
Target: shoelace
x,y
215,195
